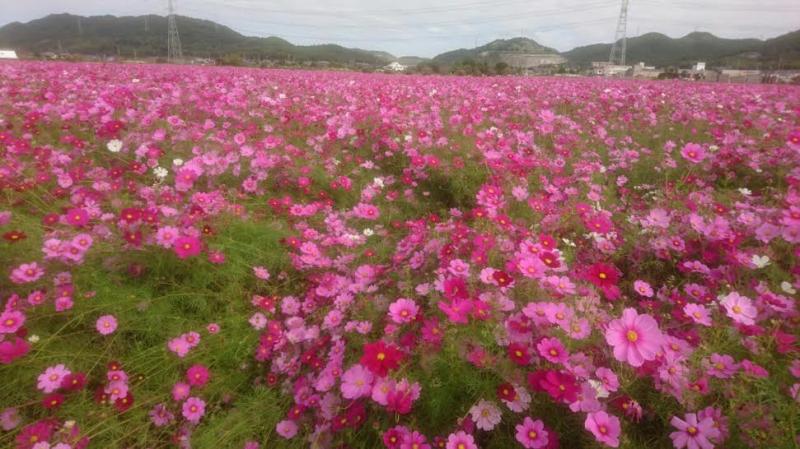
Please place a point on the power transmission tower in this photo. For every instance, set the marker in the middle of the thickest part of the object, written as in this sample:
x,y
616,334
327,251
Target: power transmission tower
x,y
80,27
620,40
174,53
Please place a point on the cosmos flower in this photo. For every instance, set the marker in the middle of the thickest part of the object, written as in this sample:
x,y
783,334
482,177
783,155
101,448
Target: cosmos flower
x,y
739,308
193,409
486,415
531,434
693,433
635,338
604,427
106,324
356,382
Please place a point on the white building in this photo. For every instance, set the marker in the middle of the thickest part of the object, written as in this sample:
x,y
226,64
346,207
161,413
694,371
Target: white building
x,y
395,67
8,54
699,67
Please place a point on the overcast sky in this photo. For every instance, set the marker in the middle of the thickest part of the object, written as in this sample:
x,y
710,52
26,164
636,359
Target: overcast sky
x,y
429,27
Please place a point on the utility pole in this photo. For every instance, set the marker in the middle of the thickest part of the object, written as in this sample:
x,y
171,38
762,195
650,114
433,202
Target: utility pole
x,y
620,40
80,27
146,24
174,53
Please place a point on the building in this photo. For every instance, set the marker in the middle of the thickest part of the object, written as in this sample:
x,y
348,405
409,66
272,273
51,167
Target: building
x,y
641,70
699,67
8,54
737,76
395,67
604,68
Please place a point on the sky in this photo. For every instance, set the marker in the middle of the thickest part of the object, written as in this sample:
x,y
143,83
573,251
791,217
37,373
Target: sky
x,y
429,27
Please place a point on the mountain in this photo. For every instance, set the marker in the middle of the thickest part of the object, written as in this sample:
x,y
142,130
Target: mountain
x,y
661,50
145,36
492,49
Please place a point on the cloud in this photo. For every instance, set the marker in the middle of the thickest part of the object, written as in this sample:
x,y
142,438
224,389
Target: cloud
x,y
426,27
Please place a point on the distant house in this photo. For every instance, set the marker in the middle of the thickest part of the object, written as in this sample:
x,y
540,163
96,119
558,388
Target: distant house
x,y
8,54
395,67
641,70
699,67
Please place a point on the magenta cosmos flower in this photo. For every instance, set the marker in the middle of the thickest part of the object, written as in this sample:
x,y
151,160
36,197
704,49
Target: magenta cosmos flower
x,y
604,427
635,338
106,324
194,409
531,434
693,433
197,375
356,382
186,247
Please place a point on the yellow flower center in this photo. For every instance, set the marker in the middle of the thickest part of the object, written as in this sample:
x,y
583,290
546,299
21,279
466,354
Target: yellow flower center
x,y
632,336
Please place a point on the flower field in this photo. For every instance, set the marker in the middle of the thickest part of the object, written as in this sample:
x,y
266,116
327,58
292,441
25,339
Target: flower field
x,y
238,258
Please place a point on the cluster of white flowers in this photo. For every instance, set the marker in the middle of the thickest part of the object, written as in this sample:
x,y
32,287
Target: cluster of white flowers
x,y
160,172
378,182
114,146
177,162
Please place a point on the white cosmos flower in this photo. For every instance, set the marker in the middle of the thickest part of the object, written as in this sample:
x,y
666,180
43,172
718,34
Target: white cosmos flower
x,y
177,162
368,232
760,261
160,172
114,146
788,288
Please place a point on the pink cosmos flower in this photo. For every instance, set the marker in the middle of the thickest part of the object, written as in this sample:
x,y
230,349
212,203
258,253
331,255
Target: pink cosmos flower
x,y
532,434
166,236
693,153
551,349
193,409
460,440
485,414
286,428
11,321
366,211
635,338
9,419
721,366
261,273
698,313
212,328
50,380
604,427
693,433
161,416
414,440
643,288
739,308
356,382
106,324
186,247
180,391
403,311
26,273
